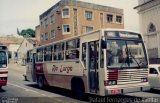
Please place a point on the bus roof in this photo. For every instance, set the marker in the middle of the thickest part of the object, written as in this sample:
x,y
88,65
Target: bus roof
x,y
114,29
89,33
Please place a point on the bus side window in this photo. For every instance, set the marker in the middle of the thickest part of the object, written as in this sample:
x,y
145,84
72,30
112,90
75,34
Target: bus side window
x,y
59,51
84,54
72,49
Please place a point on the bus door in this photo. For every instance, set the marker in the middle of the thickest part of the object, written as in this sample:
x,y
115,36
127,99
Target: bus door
x,y
33,67
93,51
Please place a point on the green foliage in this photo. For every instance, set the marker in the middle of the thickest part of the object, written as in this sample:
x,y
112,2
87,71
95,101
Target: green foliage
x,y
26,32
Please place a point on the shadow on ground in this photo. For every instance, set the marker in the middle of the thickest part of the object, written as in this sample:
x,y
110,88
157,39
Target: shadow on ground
x,y
155,91
91,98
2,90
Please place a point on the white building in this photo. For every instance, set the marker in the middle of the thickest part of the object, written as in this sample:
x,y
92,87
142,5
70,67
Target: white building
x,y
149,14
27,44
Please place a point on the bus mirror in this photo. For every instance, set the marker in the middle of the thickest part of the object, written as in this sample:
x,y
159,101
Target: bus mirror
x,y
103,44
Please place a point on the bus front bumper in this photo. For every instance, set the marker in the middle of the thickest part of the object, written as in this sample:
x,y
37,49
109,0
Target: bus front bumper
x,y
3,81
125,89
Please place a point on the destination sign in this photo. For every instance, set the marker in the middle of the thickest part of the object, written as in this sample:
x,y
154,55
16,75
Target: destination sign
x,y
122,34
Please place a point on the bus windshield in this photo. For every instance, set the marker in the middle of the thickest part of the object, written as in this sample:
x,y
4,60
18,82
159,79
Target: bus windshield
x,y
3,59
125,54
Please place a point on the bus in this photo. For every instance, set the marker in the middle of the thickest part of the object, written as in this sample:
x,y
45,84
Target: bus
x,y
101,62
3,65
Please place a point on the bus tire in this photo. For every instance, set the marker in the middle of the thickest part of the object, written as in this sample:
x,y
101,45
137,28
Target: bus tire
x,y
78,88
40,82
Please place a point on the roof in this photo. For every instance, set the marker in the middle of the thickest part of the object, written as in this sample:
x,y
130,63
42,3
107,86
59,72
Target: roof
x,y
81,4
32,40
143,4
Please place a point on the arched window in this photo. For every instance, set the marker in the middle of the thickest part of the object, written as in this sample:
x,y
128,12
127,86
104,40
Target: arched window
x,y
151,28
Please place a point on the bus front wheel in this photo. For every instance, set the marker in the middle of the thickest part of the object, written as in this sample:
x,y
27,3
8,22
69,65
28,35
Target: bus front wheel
x,y
40,81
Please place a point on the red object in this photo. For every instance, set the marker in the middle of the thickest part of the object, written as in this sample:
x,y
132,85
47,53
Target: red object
x,y
116,91
113,75
3,81
3,72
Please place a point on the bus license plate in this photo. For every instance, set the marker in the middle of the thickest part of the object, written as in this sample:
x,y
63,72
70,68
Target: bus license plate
x,y
116,91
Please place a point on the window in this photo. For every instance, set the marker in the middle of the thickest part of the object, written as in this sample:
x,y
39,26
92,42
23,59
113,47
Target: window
x,y
89,29
3,59
41,23
121,53
72,49
39,55
52,18
42,37
29,56
152,28
59,51
66,28
53,34
153,71
46,36
88,15
109,18
48,53
65,13
46,22
119,19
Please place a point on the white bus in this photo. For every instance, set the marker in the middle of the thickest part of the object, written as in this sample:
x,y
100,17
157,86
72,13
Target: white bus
x,y
100,62
3,65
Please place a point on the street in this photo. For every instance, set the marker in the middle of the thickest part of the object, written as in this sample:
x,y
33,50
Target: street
x,y
23,91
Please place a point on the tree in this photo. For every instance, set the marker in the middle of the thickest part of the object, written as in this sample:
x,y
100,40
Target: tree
x,y
26,32
18,31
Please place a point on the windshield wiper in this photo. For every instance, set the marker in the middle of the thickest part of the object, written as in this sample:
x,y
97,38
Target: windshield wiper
x,y
134,58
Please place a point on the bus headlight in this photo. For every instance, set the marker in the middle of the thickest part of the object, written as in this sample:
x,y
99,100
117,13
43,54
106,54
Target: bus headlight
x,y
110,82
144,79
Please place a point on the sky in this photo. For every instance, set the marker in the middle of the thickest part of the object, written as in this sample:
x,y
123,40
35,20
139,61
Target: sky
x,y
24,14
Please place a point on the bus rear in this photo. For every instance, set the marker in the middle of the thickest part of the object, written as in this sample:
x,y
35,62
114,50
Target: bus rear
x,y
3,65
126,62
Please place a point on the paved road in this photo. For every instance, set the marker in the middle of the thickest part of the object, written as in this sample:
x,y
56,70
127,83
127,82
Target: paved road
x,y
23,91
28,91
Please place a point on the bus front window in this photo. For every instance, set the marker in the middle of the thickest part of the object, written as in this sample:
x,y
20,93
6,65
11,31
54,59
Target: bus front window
x,y
125,53
3,59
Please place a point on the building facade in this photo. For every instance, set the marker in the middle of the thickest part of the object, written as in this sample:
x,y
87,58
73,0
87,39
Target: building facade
x,y
70,18
37,34
149,14
27,44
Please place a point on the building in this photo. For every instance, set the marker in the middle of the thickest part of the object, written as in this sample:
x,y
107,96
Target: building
x,y
27,44
149,14
69,18
37,34
12,42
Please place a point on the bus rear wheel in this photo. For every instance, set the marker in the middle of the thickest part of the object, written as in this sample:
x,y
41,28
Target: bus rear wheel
x,y
78,89
40,82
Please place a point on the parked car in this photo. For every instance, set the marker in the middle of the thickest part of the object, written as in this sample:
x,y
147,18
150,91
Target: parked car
x,y
154,76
